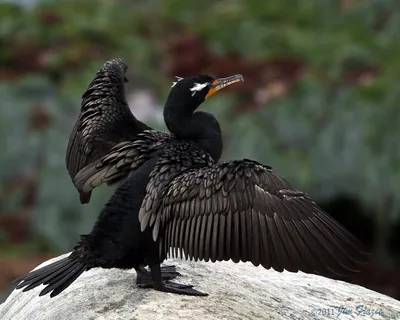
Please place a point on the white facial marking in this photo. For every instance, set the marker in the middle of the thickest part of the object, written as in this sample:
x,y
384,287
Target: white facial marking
x,y
198,87
178,79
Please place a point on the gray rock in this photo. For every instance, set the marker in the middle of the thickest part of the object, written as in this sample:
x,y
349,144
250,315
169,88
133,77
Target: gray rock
x,y
237,291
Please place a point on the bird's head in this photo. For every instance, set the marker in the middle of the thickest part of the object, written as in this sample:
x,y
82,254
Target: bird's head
x,y
193,90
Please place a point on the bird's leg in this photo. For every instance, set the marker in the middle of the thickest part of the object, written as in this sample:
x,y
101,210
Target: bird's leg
x,y
144,279
160,285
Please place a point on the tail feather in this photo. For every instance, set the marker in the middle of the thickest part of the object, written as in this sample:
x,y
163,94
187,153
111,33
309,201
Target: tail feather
x,y
38,277
63,283
57,276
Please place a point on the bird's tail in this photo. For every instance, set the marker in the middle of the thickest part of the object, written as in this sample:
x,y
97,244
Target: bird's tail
x,y
58,275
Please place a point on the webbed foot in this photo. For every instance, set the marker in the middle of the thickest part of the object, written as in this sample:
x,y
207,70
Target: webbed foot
x,y
144,279
155,279
178,288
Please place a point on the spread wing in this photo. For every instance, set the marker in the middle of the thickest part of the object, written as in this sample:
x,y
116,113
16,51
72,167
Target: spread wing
x,y
241,210
121,160
104,121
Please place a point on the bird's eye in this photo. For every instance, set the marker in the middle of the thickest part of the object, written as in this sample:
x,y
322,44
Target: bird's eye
x,y
198,87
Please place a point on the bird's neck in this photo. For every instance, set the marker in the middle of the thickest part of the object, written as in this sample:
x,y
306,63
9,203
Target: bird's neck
x,y
199,127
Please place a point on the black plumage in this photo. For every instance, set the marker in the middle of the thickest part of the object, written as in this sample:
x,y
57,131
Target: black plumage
x,y
105,120
176,195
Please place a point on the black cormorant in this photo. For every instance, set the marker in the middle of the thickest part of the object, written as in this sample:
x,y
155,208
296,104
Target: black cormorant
x,y
177,195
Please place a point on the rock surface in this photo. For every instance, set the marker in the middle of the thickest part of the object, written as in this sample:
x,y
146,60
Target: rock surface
x,y
236,291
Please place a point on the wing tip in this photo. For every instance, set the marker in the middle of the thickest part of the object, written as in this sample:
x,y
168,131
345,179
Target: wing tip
x,y
114,63
84,197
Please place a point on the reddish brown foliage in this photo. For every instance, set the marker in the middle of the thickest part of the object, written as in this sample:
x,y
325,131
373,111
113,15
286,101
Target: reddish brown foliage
x,y
24,57
39,118
186,55
50,18
16,224
362,75
33,57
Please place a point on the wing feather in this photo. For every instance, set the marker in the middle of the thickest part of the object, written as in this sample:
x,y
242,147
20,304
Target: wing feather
x,y
235,253
221,239
104,121
208,237
213,237
187,237
241,210
255,243
121,160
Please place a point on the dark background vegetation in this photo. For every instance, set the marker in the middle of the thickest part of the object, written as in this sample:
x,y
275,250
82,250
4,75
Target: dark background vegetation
x,y
320,103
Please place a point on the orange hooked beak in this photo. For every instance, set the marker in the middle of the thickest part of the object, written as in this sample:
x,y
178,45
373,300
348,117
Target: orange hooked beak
x,y
220,83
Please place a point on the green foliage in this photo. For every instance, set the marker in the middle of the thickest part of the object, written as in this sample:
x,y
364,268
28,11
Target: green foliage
x,y
326,136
